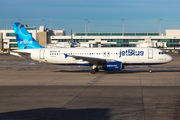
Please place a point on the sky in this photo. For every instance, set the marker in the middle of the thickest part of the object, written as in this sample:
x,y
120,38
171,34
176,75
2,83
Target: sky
x,y
104,15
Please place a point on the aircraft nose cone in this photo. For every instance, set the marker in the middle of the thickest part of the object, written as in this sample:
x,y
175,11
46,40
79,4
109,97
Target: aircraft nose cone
x,y
169,58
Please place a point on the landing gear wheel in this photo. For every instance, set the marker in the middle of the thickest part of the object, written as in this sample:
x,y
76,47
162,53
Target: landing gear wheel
x,y
93,71
150,71
96,69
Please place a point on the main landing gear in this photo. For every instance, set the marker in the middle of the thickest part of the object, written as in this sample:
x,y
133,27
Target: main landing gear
x,y
149,66
94,69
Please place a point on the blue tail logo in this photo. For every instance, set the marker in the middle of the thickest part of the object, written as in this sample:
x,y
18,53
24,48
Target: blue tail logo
x,y
24,38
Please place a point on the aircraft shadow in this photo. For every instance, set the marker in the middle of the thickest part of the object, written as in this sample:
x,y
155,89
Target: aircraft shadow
x,y
58,114
119,72
140,71
72,71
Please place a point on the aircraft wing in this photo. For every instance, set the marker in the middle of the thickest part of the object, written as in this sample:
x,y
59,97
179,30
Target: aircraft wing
x,y
92,60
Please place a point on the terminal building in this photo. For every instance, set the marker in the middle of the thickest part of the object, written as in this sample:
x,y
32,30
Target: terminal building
x,y
171,40
58,38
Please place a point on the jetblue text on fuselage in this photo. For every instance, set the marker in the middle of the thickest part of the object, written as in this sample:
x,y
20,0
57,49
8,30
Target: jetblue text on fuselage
x,y
130,52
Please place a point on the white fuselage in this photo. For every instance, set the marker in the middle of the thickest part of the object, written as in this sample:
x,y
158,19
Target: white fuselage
x,y
126,55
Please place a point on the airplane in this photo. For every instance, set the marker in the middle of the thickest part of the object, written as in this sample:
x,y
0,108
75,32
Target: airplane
x,y
110,59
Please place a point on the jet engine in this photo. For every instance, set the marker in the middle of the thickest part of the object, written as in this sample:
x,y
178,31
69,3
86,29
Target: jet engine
x,y
111,66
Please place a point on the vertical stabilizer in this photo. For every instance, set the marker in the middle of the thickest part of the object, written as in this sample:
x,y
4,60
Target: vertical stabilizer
x,y
24,38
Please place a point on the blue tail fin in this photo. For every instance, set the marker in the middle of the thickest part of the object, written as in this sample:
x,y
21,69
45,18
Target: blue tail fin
x,y
24,39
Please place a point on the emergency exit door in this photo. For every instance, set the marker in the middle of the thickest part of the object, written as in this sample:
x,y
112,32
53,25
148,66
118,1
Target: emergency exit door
x,y
42,54
150,53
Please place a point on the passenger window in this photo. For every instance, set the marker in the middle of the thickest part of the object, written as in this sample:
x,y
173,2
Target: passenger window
x,y
108,53
104,54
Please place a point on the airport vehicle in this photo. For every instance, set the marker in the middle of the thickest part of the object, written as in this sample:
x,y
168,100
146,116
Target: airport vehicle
x,y
111,59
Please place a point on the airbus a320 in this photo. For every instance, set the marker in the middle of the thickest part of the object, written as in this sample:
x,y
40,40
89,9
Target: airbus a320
x,y
111,59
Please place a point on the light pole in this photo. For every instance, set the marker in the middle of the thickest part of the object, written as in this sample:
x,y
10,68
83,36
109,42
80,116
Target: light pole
x,y
123,20
85,24
50,25
6,24
88,26
159,26
42,22
19,20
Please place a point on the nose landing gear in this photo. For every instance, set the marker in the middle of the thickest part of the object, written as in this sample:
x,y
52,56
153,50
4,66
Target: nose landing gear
x,y
149,66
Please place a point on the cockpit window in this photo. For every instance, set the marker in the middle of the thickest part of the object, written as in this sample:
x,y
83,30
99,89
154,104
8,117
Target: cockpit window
x,y
161,53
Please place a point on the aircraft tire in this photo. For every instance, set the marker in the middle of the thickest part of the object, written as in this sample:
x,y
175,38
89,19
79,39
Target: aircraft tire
x,y
93,71
96,69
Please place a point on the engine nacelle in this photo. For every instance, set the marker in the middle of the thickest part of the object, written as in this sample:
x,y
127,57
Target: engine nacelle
x,y
112,66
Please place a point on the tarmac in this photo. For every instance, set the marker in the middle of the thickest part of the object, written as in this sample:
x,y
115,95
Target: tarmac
x,y
31,90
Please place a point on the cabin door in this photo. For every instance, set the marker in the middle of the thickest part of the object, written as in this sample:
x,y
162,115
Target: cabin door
x,y
42,54
150,53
